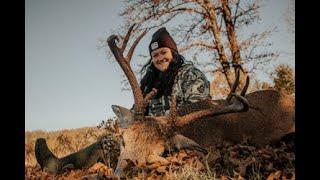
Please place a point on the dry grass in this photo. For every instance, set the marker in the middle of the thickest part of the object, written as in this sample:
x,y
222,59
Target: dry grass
x,y
61,142
224,161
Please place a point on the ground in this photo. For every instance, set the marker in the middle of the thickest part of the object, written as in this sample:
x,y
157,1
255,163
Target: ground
x,y
224,161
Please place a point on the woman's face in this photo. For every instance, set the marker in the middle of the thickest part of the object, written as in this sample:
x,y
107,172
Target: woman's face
x,y
161,58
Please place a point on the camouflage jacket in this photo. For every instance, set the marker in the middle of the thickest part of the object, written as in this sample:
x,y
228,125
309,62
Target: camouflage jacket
x,y
190,85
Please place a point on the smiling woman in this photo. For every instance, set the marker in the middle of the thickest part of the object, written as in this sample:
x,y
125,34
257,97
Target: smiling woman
x,y
170,75
167,74
161,58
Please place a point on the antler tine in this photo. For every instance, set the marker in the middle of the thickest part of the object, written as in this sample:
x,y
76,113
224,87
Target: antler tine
x,y
130,52
245,88
149,96
235,85
219,110
113,46
241,105
126,38
125,66
173,110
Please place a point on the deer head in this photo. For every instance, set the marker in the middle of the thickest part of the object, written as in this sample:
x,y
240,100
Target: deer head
x,y
159,132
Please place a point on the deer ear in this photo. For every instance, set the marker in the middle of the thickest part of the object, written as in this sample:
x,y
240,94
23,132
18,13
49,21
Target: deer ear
x,y
179,142
125,116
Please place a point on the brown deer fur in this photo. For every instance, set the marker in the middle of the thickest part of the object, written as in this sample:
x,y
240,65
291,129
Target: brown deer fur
x,y
261,116
270,116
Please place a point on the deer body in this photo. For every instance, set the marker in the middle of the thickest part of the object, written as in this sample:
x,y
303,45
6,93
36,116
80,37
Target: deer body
x,y
263,116
140,141
270,117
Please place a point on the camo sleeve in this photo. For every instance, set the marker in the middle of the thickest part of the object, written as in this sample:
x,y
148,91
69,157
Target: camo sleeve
x,y
191,86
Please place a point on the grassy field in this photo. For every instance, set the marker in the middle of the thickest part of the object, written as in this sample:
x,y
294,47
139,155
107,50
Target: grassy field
x,y
225,160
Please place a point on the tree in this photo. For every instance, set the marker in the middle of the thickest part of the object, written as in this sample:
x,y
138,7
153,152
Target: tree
x,y
283,78
257,85
207,29
219,89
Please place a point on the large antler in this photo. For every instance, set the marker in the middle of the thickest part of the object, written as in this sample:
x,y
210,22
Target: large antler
x,y
179,141
239,105
124,62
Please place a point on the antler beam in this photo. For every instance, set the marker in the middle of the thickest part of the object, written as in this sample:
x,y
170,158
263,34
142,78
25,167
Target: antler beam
x,y
124,63
240,105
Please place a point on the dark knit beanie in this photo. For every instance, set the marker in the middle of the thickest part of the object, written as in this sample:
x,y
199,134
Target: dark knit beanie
x,y
162,38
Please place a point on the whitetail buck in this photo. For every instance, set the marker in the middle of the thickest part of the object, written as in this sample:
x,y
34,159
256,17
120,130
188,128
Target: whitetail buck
x,y
263,116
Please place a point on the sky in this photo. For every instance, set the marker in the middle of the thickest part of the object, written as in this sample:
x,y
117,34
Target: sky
x,y
69,82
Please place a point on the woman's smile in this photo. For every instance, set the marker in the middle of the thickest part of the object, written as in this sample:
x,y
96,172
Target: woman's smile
x,y
161,58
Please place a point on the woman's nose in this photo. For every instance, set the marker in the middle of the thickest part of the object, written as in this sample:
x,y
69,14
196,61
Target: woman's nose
x,y
159,58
